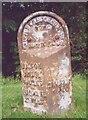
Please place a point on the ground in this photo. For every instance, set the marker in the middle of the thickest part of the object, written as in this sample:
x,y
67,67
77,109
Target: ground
x,y
12,104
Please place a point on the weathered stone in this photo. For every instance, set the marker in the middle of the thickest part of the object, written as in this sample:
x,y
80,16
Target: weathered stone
x,y
44,52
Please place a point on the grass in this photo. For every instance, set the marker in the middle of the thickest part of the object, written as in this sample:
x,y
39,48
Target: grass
x,y
12,104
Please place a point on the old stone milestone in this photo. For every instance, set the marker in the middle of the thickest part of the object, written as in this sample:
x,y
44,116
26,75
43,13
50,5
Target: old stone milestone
x,y
44,51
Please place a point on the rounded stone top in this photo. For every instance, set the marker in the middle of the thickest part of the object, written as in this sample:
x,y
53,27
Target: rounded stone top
x,y
43,29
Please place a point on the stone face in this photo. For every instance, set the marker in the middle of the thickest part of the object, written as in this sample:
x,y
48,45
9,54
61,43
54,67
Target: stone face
x,y
44,52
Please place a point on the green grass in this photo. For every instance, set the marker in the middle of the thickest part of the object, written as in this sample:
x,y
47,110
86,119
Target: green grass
x,y
12,105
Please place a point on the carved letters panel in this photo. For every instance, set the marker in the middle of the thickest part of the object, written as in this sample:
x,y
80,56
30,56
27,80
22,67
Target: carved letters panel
x,y
42,31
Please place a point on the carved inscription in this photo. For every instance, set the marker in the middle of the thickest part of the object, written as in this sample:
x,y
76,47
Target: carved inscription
x,y
43,31
60,80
